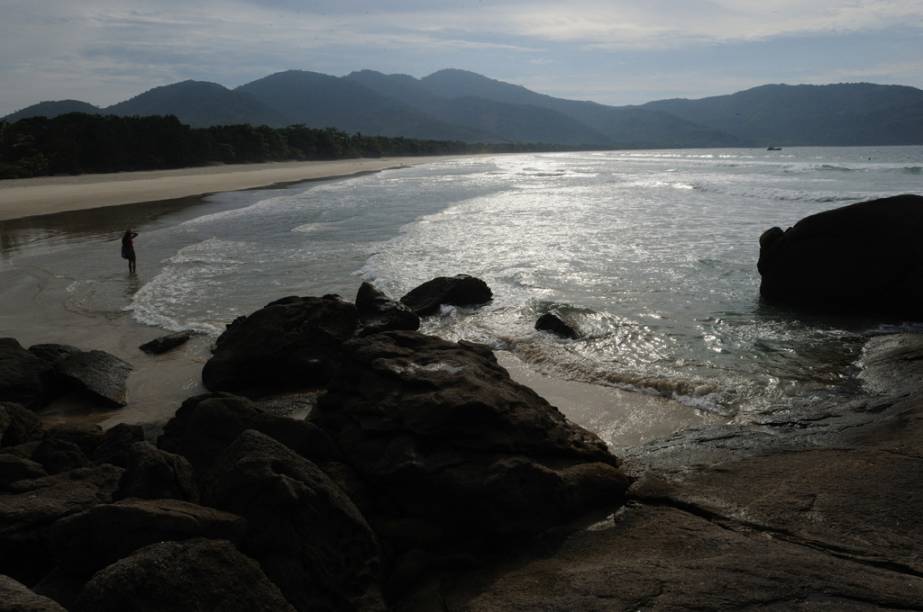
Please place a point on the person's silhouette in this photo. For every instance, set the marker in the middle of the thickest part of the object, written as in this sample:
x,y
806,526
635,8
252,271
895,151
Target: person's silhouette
x,y
128,249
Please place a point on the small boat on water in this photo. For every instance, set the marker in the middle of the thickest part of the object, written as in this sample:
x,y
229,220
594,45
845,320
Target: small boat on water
x,y
773,148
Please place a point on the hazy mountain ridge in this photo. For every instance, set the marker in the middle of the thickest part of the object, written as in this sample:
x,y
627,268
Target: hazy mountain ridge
x,y
460,105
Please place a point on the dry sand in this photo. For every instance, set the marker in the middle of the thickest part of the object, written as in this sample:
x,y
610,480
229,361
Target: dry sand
x,y
48,195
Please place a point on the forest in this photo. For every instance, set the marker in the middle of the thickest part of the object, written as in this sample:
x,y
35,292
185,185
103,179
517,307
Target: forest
x,y
78,143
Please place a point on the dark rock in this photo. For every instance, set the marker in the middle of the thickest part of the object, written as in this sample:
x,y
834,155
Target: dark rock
x,y
90,540
864,258
152,473
205,425
58,455
460,290
116,442
24,451
13,469
442,435
307,535
194,574
16,597
166,343
378,312
18,425
292,343
29,507
552,323
87,436
53,353
23,376
97,373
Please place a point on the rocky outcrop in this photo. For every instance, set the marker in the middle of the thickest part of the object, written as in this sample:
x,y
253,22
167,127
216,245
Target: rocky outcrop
x,y
17,597
194,574
290,344
207,424
101,375
162,344
85,542
29,507
863,258
460,290
18,425
305,532
550,322
378,312
151,473
23,376
448,443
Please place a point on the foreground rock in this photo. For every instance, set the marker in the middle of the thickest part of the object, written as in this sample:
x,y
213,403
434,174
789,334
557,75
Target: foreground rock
x,y
16,597
862,258
460,290
207,424
23,376
161,345
290,344
98,373
454,451
378,312
305,532
151,473
30,506
18,425
191,575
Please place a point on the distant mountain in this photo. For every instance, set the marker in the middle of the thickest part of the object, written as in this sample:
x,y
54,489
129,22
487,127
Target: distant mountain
x,y
53,109
200,104
460,105
320,100
843,114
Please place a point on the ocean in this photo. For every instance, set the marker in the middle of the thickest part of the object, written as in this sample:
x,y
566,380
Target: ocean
x,y
651,253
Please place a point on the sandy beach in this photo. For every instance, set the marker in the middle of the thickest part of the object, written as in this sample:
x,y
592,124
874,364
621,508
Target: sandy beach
x,y
49,195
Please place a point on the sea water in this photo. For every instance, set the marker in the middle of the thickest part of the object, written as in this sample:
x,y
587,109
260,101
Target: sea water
x,y
651,254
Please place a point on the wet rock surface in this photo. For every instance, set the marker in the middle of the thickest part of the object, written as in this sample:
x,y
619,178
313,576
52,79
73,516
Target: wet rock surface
x,y
194,574
550,322
378,312
862,258
460,290
445,438
292,343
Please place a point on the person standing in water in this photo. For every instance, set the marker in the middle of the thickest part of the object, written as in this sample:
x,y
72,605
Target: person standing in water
x,y
128,249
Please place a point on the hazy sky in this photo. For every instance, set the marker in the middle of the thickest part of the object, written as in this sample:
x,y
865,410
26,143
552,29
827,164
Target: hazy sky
x,y
617,52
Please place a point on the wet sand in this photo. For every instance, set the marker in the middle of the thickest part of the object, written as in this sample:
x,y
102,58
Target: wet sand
x,y
57,194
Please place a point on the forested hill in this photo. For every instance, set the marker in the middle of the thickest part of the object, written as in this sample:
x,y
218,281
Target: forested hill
x,y
77,143
457,105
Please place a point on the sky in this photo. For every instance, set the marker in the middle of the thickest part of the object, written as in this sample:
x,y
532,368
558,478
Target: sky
x,y
614,52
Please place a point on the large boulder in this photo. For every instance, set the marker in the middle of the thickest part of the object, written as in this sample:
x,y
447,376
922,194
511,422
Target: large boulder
x,y
460,290
378,312
196,574
449,444
29,507
152,473
551,322
18,425
206,424
99,374
85,542
116,443
306,533
16,597
13,469
292,343
863,258
23,376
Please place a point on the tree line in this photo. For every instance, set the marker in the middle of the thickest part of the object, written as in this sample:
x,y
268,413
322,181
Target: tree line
x,y
78,143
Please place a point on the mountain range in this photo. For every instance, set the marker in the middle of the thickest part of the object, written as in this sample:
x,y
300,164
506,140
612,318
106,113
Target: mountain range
x,y
460,105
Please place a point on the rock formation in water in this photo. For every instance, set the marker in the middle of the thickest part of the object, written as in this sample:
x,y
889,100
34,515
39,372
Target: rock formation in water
x,y
459,290
864,258
551,322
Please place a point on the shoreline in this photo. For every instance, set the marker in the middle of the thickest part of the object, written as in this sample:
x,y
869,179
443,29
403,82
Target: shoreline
x,y
22,198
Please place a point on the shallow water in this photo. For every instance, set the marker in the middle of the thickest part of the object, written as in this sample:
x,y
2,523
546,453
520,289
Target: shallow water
x,y
652,253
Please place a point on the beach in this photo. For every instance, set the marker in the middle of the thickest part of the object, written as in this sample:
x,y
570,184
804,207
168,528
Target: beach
x,y
56,194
